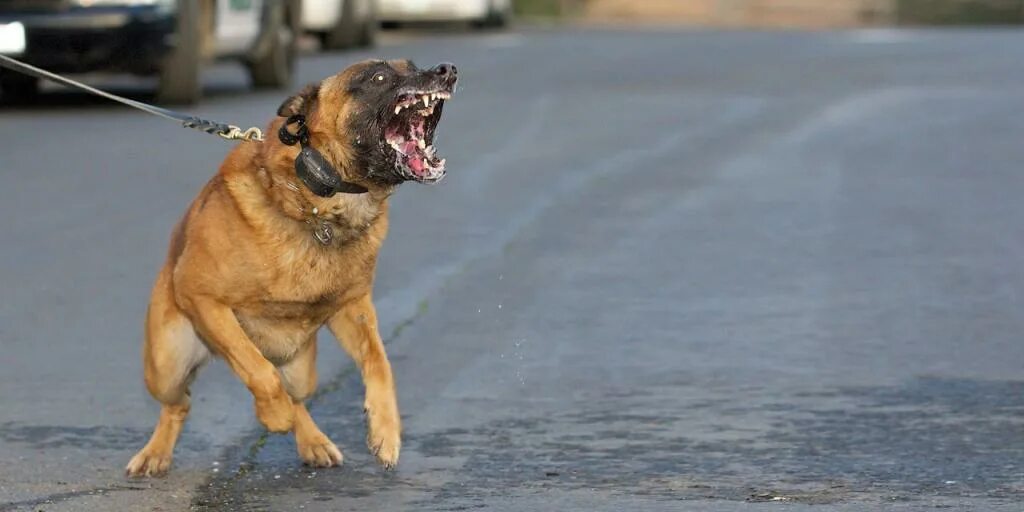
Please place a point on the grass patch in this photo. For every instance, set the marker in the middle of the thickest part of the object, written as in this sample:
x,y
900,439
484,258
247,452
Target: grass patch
x,y
546,8
960,12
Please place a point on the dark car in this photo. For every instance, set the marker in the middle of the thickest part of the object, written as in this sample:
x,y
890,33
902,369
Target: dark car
x,y
169,38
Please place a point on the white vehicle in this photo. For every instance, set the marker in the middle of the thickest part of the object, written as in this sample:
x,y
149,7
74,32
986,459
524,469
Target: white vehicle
x,y
171,39
341,23
493,13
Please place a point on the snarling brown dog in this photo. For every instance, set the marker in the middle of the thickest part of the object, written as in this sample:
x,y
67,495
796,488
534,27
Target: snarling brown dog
x,y
273,248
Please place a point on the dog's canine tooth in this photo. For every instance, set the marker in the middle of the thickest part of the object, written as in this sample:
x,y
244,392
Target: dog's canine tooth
x,y
426,100
398,109
422,144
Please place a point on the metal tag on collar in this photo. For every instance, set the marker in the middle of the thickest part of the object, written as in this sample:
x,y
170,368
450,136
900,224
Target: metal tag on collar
x,y
323,233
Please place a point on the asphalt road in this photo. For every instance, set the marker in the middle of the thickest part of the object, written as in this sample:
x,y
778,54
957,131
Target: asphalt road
x,y
668,271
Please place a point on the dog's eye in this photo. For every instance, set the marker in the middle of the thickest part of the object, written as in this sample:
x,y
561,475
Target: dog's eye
x,y
379,77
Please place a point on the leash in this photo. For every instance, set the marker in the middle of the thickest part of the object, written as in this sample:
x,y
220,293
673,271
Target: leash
x,y
222,130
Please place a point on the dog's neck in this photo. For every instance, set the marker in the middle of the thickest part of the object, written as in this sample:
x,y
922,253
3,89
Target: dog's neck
x,y
330,221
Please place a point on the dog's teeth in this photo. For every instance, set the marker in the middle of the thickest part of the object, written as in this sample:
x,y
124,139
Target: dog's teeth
x,y
398,109
422,144
426,100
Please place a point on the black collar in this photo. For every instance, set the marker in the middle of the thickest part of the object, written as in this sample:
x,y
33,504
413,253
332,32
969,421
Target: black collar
x,y
319,176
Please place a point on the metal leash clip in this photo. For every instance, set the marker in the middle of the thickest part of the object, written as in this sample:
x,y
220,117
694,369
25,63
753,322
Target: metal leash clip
x,y
235,133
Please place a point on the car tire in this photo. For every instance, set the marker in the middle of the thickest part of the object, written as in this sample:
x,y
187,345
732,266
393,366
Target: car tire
x,y
351,32
274,69
181,68
497,17
369,27
18,88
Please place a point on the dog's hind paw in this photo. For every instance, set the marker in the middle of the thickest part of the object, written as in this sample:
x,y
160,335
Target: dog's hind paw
x,y
148,463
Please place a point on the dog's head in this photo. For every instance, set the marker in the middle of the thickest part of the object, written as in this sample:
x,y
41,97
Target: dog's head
x,y
377,119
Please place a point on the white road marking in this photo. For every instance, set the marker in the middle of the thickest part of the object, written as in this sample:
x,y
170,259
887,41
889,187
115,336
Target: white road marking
x,y
882,36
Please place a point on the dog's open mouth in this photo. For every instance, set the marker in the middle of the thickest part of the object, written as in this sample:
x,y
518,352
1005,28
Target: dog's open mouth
x,y
410,132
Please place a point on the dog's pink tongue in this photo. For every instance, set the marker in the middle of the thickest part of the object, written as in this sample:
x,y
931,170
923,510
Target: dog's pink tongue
x,y
416,164
415,161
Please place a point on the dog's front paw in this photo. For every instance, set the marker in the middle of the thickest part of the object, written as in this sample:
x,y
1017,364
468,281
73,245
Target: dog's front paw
x,y
384,433
276,412
148,462
319,452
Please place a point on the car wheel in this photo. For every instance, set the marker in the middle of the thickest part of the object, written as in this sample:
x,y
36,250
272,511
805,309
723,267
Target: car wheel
x,y
350,31
497,16
275,67
17,88
369,26
180,70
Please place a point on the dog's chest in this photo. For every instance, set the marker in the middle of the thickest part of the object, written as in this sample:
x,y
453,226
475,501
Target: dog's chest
x,y
281,330
302,281
309,284
281,324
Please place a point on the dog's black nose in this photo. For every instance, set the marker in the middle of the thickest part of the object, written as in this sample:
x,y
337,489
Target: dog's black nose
x,y
447,70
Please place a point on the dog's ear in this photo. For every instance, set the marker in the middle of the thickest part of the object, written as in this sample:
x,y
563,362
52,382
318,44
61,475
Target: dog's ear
x,y
301,103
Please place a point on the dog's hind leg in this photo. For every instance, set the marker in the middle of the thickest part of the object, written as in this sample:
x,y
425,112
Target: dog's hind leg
x,y
172,356
299,379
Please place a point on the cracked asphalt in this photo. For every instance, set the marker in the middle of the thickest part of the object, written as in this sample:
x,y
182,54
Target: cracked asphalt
x,y
669,270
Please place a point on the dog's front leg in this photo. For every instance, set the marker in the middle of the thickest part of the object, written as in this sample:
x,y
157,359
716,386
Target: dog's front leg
x,y
220,328
355,326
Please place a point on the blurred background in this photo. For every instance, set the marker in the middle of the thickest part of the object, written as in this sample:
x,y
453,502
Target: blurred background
x,y
784,13
173,39
710,255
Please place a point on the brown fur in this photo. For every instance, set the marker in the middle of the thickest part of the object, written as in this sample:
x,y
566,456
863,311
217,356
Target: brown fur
x,y
245,280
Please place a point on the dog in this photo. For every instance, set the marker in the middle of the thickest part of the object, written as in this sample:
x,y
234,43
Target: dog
x,y
284,240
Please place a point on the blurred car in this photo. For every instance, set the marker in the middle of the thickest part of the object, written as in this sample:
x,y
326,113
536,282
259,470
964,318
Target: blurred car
x,y
341,23
168,38
489,13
